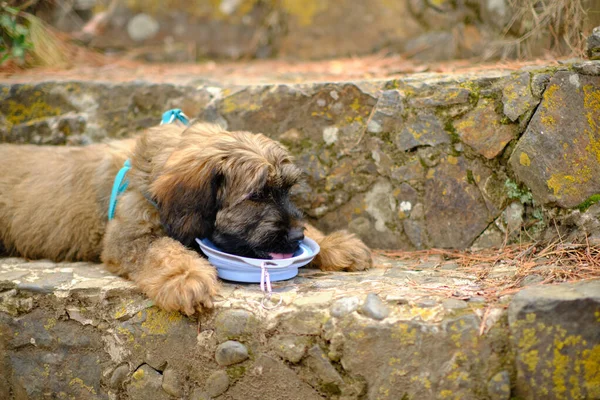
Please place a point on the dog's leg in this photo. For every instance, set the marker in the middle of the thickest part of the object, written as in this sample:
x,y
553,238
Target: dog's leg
x,y
340,251
174,277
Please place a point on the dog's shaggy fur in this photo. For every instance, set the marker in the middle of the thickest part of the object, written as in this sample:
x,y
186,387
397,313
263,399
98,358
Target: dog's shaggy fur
x,y
231,187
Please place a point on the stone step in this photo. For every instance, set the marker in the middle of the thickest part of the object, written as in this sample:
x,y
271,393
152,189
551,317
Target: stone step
x,y
430,160
72,330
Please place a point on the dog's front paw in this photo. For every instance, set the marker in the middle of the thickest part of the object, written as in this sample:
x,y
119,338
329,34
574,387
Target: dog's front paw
x,y
186,285
343,251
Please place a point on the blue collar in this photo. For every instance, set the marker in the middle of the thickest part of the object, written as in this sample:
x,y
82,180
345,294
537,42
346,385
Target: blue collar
x,y
120,183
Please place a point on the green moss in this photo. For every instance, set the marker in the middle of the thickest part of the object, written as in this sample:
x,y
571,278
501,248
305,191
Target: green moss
x,y
475,91
236,372
589,202
451,130
470,177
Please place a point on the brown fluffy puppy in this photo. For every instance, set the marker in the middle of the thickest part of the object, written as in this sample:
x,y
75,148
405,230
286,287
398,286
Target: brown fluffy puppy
x,y
230,187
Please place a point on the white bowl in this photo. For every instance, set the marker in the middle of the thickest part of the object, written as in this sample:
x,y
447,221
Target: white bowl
x,y
245,269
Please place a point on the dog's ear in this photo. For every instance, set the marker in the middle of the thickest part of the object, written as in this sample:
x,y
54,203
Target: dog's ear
x,y
188,206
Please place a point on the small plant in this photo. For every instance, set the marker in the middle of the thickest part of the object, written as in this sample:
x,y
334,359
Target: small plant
x,y
534,222
515,192
15,39
538,214
27,40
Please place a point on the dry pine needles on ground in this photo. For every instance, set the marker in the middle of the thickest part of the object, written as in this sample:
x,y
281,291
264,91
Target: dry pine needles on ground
x,y
556,262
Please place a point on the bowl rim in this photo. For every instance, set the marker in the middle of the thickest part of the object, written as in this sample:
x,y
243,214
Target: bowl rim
x,y
208,246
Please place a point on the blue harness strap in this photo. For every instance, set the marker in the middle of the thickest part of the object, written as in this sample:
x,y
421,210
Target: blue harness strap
x,y
120,184
174,114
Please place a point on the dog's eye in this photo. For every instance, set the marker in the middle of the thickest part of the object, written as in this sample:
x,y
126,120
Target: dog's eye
x,y
257,196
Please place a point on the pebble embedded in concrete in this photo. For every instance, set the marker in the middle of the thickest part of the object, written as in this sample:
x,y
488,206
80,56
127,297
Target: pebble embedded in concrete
x,y
454,304
344,306
234,324
118,376
291,348
426,303
146,383
217,383
172,383
374,308
198,394
321,366
231,352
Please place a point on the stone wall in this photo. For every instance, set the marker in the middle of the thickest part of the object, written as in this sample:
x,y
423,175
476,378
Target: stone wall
x,y
424,161
73,331
182,30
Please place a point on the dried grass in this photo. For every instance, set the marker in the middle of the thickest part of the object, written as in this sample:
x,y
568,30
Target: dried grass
x,y
47,49
543,26
50,48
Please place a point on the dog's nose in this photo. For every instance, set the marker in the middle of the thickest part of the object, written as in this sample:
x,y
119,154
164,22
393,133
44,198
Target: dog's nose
x,y
296,235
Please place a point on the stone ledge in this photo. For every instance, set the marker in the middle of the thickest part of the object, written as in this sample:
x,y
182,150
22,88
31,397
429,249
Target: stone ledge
x,y
73,330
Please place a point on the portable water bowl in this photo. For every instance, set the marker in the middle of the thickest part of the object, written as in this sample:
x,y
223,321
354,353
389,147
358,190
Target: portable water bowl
x,y
248,270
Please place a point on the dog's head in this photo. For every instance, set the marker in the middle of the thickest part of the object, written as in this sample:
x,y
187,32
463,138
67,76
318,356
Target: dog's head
x,y
230,187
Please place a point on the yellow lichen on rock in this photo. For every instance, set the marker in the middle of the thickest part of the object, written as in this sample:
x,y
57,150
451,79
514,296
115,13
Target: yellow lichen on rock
x,y
590,361
550,100
79,382
137,375
547,120
405,334
51,323
159,322
566,185
591,103
19,113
